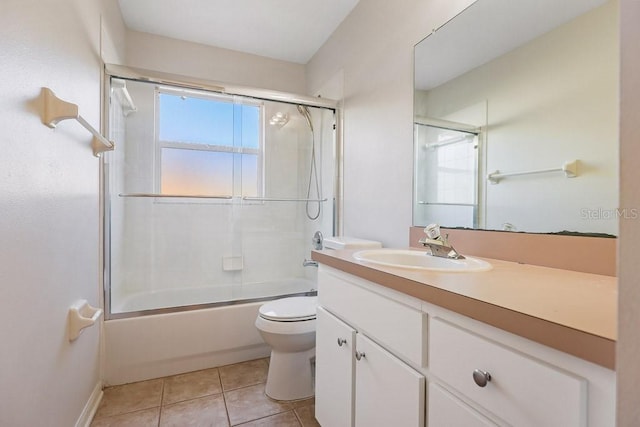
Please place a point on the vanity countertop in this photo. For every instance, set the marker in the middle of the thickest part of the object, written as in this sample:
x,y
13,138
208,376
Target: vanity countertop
x,y
571,311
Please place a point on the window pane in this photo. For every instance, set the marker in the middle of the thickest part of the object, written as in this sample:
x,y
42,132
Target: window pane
x,y
195,120
195,172
250,126
250,175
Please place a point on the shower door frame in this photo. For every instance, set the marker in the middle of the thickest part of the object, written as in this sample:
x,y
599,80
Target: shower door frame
x,y
149,76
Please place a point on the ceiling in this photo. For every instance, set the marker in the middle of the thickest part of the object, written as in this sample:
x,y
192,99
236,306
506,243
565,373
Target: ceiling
x,y
486,30
289,30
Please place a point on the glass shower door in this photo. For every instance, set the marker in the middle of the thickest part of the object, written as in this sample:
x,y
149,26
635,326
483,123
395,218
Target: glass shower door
x,y
207,201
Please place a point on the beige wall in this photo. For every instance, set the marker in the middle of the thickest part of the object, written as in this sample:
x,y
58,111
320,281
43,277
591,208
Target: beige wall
x,y
373,51
629,243
168,55
49,206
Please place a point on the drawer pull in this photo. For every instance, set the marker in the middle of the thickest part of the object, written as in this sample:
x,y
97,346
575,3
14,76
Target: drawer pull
x,y
359,355
481,378
341,341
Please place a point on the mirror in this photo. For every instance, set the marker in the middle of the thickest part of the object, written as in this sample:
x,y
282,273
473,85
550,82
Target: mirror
x,y
516,118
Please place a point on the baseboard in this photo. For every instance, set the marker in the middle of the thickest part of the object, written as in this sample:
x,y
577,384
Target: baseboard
x,y
91,407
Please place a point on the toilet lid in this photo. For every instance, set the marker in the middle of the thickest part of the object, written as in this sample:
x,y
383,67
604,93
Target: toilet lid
x,y
290,309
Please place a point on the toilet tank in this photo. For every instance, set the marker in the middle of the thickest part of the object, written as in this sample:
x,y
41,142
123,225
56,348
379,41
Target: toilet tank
x,y
345,242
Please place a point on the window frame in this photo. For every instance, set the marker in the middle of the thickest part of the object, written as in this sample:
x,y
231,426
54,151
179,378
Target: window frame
x,y
159,145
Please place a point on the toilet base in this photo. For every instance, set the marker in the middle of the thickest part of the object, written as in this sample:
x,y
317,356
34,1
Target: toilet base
x,y
291,375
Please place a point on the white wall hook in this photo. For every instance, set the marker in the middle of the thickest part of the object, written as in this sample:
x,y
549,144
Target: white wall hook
x,y
81,315
56,110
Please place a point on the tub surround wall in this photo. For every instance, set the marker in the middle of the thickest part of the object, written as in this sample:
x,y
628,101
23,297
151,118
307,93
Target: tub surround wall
x,y
181,243
595,255
49,208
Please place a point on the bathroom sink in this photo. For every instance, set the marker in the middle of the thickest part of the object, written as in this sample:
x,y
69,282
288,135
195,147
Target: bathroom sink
x,y
420,260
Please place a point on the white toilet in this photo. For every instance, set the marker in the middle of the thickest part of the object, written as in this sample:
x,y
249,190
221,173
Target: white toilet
x,y
288,325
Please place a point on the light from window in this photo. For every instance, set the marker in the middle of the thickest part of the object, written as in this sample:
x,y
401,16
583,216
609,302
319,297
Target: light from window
x,y
208,146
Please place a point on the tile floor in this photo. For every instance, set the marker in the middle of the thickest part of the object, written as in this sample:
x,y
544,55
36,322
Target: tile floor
x,y
230,395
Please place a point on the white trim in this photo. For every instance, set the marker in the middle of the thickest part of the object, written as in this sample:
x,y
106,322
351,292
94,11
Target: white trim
x,y
89,410
188,82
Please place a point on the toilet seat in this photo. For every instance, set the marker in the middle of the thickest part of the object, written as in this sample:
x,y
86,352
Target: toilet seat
x,y
293,309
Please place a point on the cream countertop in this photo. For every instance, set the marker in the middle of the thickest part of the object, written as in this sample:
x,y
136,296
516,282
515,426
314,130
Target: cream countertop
x,y
571,311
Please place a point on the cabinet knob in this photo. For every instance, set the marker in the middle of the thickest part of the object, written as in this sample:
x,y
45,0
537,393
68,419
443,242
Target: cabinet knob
x,y
481,378
359,355
341,341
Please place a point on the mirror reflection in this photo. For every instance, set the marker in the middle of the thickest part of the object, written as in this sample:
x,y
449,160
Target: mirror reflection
x,y
516,118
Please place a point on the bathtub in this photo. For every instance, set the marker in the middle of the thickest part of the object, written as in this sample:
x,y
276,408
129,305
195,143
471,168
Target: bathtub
x,y
157,345
220,294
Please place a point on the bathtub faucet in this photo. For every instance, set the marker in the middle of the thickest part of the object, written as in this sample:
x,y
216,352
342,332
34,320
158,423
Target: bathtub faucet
x,y
309,263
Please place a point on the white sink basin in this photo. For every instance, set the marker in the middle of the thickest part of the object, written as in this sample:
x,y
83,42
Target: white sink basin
x,y
419,260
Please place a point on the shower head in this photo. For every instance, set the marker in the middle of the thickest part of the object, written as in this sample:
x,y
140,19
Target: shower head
x,y
304,110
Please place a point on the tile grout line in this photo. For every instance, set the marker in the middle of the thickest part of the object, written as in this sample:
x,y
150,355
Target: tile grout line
x,y
161,402
226,409
267,416
224,397
295,413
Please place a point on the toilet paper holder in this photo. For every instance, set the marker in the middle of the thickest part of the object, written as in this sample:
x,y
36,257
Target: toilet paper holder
x,y
81,315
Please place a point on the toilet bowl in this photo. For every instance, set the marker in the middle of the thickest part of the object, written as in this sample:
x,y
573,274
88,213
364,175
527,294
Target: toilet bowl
x,y
288,326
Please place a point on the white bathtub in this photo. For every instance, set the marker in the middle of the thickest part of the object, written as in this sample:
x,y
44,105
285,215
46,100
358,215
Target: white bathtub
x,y
207,295
153,346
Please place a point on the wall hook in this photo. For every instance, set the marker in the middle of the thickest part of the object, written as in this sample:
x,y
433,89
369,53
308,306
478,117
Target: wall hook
x,y
81,315
56,110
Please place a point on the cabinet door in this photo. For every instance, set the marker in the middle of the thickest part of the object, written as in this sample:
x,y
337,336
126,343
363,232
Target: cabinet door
x,y
388,392
446,410
335,344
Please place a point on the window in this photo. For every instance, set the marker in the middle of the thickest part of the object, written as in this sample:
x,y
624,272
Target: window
x,y
456,167
208,145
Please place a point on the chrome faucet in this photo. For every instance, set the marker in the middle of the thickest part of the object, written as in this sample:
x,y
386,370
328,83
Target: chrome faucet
x,y
309,263
438,244
317,241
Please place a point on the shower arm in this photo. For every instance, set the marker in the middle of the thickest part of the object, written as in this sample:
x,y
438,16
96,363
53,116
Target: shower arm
x,y
56,110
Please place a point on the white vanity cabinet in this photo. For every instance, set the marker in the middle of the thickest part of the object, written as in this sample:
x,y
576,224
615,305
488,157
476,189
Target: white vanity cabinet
x,y
358,381
335,349
408,342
